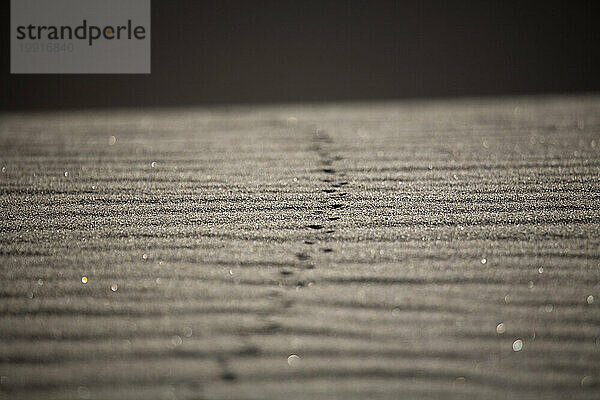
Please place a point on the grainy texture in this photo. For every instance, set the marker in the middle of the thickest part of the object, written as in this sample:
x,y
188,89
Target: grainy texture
x,y
381,244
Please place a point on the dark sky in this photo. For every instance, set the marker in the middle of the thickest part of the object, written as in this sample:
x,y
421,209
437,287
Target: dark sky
x,y
214,52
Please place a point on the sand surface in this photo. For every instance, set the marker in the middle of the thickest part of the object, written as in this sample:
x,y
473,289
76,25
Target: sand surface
x,y
351,251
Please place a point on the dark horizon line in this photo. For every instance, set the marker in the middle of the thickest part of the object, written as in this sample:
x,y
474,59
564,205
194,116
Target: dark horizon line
x,y
324,100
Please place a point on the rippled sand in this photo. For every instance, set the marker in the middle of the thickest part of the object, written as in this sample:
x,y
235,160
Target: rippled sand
x,y
442,250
